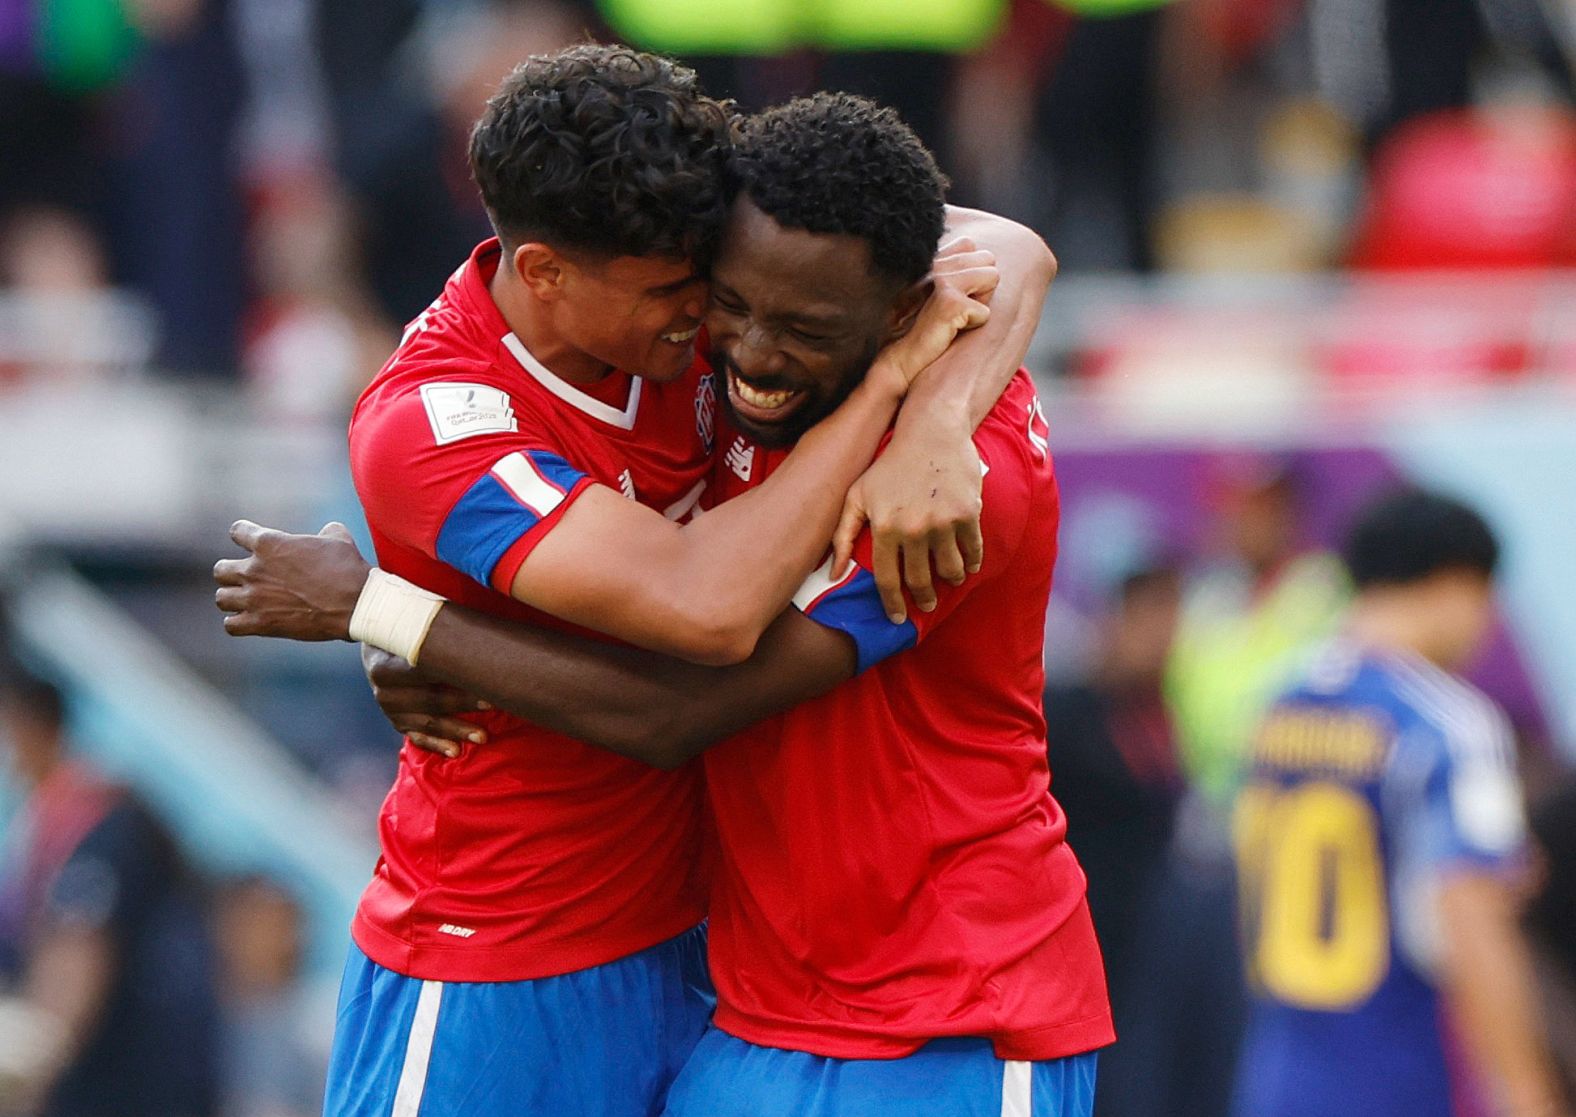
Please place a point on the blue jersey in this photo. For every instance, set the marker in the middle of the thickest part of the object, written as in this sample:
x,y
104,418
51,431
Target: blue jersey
x,y
1374,778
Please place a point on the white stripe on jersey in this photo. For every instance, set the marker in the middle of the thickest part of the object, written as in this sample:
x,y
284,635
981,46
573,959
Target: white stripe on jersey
x,y
820,583
1485,791
520,475
418,1051
1017,1081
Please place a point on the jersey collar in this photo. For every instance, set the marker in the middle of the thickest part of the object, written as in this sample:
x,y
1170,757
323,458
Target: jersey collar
x,y
574,397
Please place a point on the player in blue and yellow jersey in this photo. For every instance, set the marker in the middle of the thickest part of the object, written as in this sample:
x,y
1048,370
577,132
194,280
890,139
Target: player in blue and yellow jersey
x,y
1380,842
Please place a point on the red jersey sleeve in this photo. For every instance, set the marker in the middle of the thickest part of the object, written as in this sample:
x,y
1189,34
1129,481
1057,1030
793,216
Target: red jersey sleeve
x,y
1012,443
450,469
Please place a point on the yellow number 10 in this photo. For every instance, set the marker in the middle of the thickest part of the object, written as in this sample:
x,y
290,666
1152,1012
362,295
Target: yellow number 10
x,y
1313,894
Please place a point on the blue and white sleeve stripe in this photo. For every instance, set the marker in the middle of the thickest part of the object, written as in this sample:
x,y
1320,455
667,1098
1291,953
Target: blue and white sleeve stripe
x,y
520,491
852,605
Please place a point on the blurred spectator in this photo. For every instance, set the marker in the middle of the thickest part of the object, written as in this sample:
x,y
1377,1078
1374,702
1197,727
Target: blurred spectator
x,y
112,1010
1381,846
171,190
900,53
61,325
405,82
274,1052
1114,758
314,335
1114,764
1247,618
1552,921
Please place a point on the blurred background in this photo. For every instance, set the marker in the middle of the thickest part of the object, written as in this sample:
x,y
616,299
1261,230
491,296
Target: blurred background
x,y
1309,248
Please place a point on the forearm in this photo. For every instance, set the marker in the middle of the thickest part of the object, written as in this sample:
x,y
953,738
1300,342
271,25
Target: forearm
x,y
1491,991
961,387
646,706
743,561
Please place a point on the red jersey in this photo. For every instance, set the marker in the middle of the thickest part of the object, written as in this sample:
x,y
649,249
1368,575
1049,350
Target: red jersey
x,y
893,867
536,855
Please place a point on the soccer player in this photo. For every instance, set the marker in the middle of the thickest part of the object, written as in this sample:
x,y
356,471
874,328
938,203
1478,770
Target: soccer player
x,y
897,926
529,943
1380,841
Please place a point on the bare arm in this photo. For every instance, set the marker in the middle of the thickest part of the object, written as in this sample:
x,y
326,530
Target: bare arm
x,y
64,991
922,497
639,703
1489,985
647,706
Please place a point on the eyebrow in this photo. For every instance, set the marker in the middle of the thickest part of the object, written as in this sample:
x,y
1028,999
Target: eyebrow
x,y
831,320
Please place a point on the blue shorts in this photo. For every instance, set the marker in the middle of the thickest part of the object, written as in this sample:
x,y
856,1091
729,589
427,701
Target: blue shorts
x,y
727,1077
607,1041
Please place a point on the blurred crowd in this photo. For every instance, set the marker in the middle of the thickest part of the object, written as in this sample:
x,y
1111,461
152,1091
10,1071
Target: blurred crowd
x,y
283,182
130,982
1151,733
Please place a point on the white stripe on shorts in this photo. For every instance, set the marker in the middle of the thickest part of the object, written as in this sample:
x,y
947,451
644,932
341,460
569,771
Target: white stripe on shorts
x,y
418,1051
1016,1078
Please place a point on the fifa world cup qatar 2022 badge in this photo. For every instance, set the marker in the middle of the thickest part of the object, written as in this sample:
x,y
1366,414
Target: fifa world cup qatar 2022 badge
x,y
706,411
459,411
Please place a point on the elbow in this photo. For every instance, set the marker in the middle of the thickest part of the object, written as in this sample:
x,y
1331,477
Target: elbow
x,y
717,641
662,743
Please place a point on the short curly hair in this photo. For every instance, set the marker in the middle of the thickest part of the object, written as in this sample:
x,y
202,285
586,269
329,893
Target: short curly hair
x,y
839,163
606,150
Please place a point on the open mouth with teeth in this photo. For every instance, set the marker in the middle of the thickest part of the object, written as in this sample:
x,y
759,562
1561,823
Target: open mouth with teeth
x,y
762,406
682,338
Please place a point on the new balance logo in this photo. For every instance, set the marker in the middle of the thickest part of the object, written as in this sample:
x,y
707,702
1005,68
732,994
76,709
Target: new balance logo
x,y
741,458
457,931
626,484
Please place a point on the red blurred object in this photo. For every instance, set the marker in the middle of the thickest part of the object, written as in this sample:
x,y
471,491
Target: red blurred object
x,y
1472,190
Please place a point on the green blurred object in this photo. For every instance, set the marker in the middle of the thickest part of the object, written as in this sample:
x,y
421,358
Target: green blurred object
x,y
776,26
1233,654
1105,9
84,45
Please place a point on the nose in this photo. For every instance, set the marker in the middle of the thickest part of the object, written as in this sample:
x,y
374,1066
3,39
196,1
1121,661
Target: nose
x,y
756,353
696,301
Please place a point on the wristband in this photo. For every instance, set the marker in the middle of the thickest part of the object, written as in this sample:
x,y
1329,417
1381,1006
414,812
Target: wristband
x,y
393,614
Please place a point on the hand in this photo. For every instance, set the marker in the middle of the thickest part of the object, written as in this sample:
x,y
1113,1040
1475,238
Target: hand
x,y
299,587
957,302
962,264
922,501
422,710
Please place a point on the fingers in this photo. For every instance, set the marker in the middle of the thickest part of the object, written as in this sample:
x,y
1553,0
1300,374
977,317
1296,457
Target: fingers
x,y
972,544
948,558
956,245
230,599
425,700
964,261
229,572
433,744
889,584
846,535
250,535
973,315
337,530
916,572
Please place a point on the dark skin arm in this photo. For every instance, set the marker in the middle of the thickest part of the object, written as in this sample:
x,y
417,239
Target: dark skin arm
x,y
641,704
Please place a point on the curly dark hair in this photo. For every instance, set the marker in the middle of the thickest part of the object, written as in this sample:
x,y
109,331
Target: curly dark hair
x,y
606,150
839,163
1408,535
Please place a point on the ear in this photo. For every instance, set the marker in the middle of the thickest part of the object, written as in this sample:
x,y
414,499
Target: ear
x,y
541,269
905,308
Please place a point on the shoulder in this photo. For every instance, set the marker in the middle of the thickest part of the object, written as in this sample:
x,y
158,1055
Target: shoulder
x,y
1464,720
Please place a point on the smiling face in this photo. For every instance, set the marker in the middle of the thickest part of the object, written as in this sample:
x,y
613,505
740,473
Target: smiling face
x,y
639,314
795,320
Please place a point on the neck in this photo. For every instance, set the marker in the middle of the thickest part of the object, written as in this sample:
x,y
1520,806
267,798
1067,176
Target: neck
x,y
1377,620
531,320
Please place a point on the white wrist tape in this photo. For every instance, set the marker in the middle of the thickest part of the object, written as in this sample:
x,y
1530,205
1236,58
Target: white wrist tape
x,y
393,614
